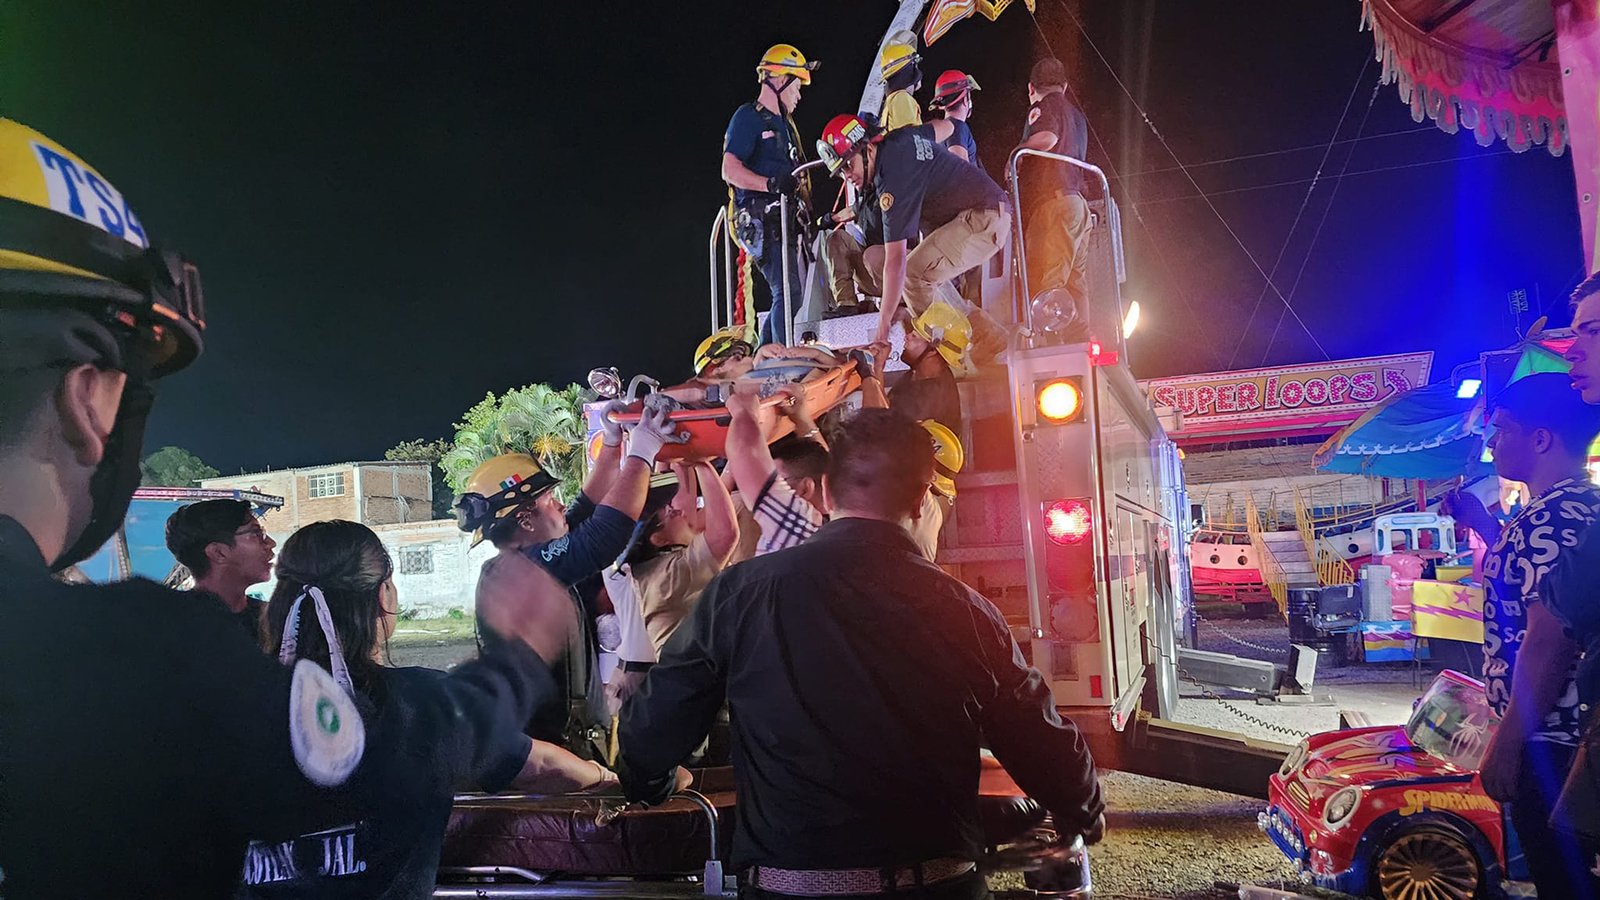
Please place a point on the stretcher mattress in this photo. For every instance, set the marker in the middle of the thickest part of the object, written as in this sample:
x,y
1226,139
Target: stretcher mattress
x,y
568,834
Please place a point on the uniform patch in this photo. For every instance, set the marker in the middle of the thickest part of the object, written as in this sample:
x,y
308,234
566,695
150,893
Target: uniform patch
x,y
1033,114
325,729
885,200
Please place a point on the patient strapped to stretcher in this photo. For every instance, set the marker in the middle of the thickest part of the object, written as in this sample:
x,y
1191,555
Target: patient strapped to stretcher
x,y
816,378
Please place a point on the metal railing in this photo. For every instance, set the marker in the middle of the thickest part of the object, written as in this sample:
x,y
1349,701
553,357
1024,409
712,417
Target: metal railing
x,y
1331,566
1025,298
1271,573
721,243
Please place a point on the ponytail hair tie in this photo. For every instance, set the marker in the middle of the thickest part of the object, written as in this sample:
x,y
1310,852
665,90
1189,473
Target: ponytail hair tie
x,y
291,637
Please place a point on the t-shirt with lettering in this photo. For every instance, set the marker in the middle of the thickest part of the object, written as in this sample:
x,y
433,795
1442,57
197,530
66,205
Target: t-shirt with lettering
x,y
921,185
1514,571
421,755
1061,117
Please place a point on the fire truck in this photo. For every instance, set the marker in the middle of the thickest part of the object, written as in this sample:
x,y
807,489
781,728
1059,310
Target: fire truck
x,y
1072,515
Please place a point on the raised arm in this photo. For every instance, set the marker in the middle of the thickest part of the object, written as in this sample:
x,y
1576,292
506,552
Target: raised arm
x,y
721,519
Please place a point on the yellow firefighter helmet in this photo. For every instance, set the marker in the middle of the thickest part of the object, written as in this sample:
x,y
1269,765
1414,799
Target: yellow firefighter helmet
x,y
721,345
67,236
948,457
496,488
896,56
785,59
948,330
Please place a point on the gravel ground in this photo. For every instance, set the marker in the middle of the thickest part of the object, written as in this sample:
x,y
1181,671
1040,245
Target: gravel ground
x,y
1173,841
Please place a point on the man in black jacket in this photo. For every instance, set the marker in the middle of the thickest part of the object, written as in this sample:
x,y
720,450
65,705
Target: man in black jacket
x,y
862,680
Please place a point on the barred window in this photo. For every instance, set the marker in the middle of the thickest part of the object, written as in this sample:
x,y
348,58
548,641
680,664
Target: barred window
x,y
326,485
416,561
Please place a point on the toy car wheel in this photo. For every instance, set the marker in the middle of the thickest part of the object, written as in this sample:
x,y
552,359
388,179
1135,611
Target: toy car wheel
x,y
1428,864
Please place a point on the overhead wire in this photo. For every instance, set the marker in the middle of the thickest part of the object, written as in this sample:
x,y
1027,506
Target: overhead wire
x,y
1244,333
1323,220
1145,116
1284,152
1138,216
1465,157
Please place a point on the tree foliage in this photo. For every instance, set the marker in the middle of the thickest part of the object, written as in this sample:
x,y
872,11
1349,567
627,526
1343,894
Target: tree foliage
x,y
431,452
173,467
539,420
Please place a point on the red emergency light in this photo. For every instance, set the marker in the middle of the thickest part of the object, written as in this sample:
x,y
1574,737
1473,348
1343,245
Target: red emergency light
x,y
1067,522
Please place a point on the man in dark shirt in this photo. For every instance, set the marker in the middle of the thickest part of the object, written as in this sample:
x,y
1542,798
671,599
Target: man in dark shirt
x,y
143,738
927,390
922,188
1055,216
862,681
952,95
760,151
224,546
854,253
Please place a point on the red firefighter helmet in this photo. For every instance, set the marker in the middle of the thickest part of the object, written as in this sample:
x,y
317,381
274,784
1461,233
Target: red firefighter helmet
x,y
843,137
952,86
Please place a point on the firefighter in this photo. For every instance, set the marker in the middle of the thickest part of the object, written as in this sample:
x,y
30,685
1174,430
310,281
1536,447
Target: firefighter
x,y
760,151
902,76
952,96
922,188
510,500
144,736
1055,215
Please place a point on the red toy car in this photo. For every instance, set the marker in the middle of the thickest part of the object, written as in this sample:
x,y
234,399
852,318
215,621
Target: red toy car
x,y
1398,812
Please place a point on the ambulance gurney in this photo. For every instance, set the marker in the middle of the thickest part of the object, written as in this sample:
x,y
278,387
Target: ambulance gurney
x,y
581,845
815,389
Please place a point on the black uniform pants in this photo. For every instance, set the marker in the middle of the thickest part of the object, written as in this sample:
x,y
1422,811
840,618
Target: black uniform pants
x,y
1558,865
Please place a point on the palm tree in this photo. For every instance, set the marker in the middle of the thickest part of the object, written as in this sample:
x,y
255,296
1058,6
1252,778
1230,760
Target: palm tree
x,y
539,420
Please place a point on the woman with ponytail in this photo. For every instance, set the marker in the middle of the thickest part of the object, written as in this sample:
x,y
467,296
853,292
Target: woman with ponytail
x,y
335,604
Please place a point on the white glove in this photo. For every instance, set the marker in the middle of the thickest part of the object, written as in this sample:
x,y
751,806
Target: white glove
x,y
611,431
654,431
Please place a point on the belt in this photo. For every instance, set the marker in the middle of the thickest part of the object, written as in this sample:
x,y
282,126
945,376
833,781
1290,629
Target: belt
x,y
825,882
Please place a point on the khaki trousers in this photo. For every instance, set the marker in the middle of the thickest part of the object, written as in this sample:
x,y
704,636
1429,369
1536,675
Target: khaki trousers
x,y
852,268
1057,250
963,243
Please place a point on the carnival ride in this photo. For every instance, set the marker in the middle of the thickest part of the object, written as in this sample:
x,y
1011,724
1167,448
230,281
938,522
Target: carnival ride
x,y
1398,812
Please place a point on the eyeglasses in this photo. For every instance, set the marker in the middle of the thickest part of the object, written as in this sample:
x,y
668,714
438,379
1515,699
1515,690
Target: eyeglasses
x,y
253,530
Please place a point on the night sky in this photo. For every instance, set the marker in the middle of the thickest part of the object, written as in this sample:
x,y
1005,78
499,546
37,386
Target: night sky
x,y
399,207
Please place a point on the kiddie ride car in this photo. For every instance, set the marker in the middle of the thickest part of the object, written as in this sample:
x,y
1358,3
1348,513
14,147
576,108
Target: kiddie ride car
x,y
1399,812
587,846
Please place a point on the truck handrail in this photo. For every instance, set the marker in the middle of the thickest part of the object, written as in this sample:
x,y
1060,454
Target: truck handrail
x,y
783,213
1016,211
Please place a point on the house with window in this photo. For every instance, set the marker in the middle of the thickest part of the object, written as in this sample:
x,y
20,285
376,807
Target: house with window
x,y
372,493
435,566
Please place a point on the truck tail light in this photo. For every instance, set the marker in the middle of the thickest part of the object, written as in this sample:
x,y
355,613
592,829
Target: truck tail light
x,y
1060,400
1067,522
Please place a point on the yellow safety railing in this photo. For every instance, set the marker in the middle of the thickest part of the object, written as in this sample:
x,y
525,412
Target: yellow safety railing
x,y
1271,573
1331,566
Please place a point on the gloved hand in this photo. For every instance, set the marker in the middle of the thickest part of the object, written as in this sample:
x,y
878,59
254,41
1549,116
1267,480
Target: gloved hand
x,y
611,431
782,184
654,431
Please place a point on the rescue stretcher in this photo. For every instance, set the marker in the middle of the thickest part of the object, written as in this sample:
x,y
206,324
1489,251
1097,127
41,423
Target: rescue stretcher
x,y
522,846
708,428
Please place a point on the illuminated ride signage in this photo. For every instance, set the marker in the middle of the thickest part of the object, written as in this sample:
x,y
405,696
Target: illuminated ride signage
x,y
1286,398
